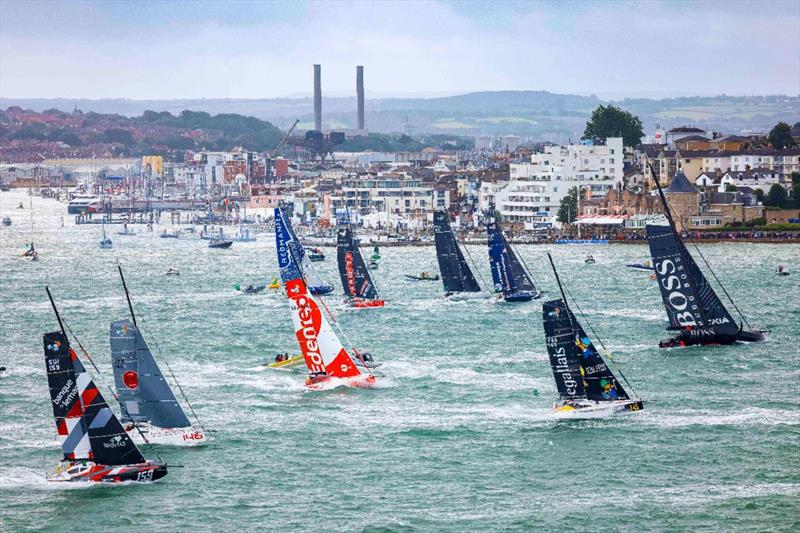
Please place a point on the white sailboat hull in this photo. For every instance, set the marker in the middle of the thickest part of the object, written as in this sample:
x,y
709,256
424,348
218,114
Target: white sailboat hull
x,y
188,436
591,409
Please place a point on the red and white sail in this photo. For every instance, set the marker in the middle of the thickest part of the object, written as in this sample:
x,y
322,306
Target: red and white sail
x,y
321,347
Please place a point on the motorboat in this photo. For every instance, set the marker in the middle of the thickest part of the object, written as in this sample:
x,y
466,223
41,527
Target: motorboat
x,y
219,243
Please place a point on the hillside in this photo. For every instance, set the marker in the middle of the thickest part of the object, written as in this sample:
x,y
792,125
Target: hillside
x,y
24,134
539,115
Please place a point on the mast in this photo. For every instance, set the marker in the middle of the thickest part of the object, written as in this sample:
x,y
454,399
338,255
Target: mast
x,y
127,295
55,310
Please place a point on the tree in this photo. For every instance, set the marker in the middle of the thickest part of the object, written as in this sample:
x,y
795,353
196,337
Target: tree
x,y
776,197
795,190
610,121
781,136
759,194
730,187
568,211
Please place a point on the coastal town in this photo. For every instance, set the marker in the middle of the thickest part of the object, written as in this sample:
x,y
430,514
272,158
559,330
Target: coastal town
x,y
718,183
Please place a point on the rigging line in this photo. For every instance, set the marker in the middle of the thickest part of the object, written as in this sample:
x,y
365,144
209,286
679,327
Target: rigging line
x,y
524,264
330,314
721,286
113,393
478,270
171,373
588,323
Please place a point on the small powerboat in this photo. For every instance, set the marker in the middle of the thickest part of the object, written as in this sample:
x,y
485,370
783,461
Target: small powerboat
x,y
250,289
589,260
6,221
315,255
167,235
172,272
373,265
219,243
782,270
361,303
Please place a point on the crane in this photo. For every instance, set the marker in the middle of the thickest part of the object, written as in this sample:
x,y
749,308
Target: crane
x,y
285,137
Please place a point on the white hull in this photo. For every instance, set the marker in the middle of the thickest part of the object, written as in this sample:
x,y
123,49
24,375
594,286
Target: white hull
x,y
190,436
589,409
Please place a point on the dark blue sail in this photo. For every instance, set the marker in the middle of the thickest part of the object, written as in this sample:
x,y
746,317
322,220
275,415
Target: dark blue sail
x,y
353,271
692,305
563,352
288,249
285,231
144,394
456,274
599,381
508,274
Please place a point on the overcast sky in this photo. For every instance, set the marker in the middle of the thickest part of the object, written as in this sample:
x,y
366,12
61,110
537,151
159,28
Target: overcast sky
x,y
152,49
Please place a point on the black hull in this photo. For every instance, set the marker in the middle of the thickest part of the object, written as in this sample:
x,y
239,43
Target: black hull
x,y
750,336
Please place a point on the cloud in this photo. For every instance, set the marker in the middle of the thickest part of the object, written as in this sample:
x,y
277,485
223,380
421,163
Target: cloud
x,y
263,49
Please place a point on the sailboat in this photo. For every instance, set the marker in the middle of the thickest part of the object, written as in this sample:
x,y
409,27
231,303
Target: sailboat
x,y
105,243
127,231
356,279
149,408
586,385
316,285
509,276
693,308
96,448
6,219
328,362
31,254
458,279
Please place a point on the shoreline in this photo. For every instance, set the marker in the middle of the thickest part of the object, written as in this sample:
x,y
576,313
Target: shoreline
x,y
419,244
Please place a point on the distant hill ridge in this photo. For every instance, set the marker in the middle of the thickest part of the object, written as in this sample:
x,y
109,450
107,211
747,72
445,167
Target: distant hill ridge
x,y
541,115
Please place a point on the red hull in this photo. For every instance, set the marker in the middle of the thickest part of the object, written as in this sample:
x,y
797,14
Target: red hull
x,y
361,303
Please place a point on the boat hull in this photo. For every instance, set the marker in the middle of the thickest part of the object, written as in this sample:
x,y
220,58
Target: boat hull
x,y
750,336
522,296
323,383
321,290
361,303
188,436
590,409
90,472
462,296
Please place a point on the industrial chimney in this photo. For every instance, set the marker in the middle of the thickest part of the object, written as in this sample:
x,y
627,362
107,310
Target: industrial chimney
x,y
318,97
360,95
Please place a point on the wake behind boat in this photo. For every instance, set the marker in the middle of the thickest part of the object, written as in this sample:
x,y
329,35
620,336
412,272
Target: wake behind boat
x,y
586,385
693,308
96,448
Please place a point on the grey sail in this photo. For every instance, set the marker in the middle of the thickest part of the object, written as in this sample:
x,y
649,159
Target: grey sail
x,y
144,394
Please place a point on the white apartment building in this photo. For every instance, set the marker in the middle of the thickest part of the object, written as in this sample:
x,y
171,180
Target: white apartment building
x,y
536,188
393,193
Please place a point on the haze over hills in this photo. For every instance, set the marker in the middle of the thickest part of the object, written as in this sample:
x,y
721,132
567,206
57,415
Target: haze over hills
x,y
539,115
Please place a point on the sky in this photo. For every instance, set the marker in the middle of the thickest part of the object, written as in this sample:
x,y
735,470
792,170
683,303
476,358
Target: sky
x,y
197,49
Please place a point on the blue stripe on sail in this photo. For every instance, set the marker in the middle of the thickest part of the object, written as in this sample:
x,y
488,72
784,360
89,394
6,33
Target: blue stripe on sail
x,y
102,418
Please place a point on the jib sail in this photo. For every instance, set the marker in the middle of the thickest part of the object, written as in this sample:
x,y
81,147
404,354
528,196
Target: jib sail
x,y
508,274
560,340
144,394
109,444
322,350
353,271
456,274
689,299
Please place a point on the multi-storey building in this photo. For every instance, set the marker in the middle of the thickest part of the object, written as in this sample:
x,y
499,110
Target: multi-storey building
x,y
535,190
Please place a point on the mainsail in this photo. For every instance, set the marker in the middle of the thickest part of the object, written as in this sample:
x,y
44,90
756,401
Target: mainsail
x,y
689,299
353,271
316,284
322,350
578,368
508,274
73,394
144,394
456,274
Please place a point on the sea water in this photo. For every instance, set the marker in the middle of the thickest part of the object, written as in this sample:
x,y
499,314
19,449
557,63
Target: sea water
x,y
460,436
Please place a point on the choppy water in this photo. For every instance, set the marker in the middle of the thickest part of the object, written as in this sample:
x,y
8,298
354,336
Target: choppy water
x,y
456,439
